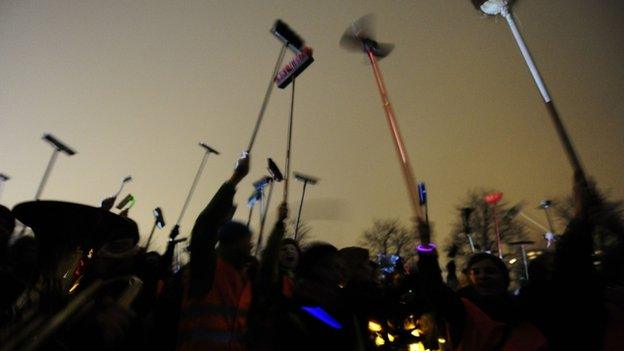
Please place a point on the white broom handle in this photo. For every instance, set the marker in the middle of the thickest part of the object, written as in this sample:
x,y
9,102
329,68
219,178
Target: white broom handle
x,y
526,54
536,223
563,135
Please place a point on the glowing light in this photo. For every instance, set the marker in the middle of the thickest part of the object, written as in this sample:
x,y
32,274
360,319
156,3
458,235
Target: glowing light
x,y
409,324
90,254
513,260
74,287
322,316
441,341
426,248
379,341
416,347
417,332
390,337
374,326
493,198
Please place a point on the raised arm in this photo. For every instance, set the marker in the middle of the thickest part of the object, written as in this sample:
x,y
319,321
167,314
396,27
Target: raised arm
x,y
443,299
218,211
270,256
573,257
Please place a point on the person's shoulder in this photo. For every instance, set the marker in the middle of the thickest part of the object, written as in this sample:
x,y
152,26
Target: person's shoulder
x,y
525,336
480,332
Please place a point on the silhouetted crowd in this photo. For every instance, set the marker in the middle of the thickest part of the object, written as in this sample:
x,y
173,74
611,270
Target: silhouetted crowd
x,y
83,283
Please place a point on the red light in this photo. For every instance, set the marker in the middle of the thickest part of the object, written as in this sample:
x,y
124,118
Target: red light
x,y
493,198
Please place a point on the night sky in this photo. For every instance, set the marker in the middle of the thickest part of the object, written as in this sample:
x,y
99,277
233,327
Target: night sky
x,y
134,85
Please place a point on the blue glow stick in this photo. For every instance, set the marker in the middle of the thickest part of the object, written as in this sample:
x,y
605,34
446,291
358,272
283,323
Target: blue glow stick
x,y
320,314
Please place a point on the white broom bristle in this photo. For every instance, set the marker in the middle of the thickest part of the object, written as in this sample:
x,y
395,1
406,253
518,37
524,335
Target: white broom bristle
x,y
494,7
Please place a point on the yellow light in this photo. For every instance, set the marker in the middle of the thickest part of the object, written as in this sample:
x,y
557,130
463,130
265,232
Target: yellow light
x,y
409,324
90,254
73,288
379,341
416,347
441,341
390,337
416,332
75,285
374,326
513,260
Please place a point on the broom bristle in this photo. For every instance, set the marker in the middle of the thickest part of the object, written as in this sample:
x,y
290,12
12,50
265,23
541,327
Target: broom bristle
x,y
491,7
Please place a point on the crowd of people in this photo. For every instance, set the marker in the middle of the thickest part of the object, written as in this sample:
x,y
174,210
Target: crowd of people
x,y
84,283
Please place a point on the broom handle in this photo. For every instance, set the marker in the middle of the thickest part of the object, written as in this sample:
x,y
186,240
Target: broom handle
x,y
267,95
550,106
289,143
398,142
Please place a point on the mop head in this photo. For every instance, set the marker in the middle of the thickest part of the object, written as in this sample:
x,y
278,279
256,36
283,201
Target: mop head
x,y
491,7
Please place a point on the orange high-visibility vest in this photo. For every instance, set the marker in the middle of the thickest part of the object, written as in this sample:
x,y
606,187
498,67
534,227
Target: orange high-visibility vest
x,y
288,286
483,333
216,320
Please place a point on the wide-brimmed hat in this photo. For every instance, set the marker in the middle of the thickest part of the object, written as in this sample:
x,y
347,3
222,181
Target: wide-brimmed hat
x,y
58,223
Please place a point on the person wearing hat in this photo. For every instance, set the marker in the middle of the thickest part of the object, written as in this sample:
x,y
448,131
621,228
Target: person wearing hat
x,y
217,289
70,241
488,278
472,325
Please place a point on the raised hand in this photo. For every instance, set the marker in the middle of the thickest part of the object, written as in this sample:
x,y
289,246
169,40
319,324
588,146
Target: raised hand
x,y
241,169
424,231
586,198
282,212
